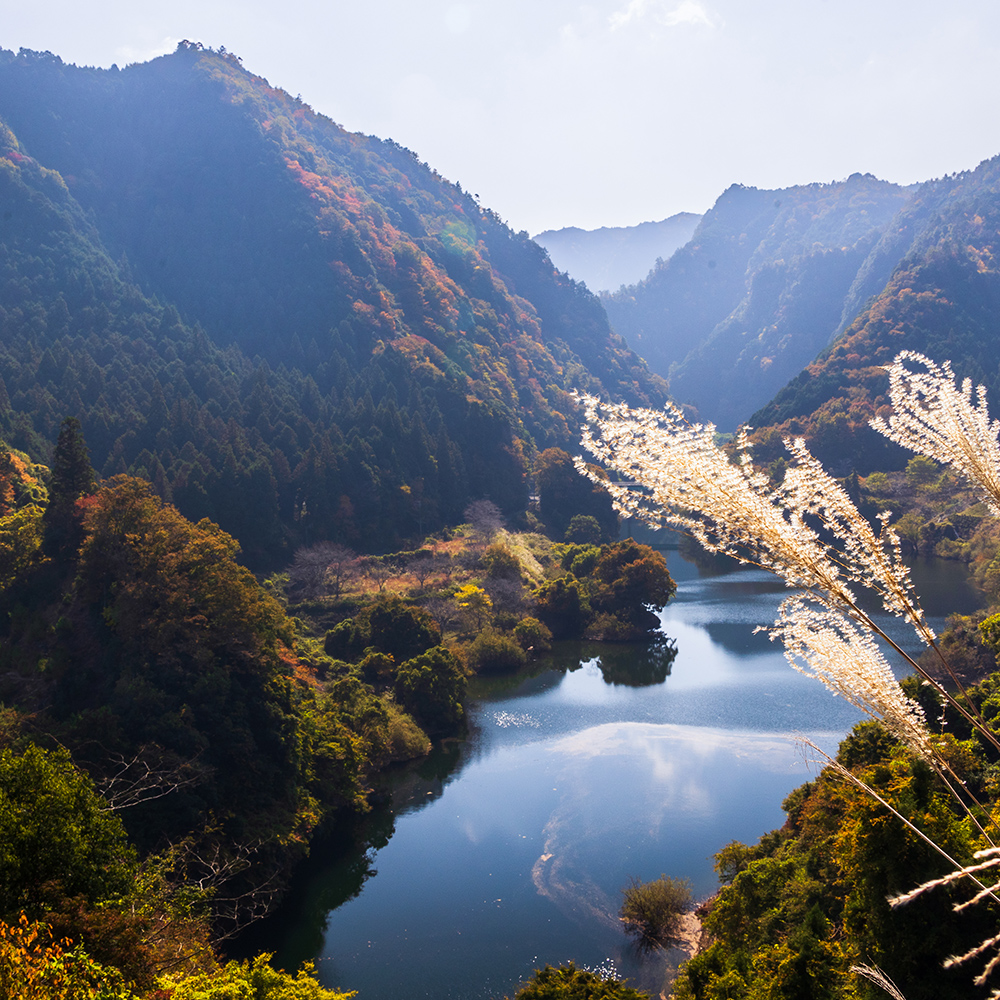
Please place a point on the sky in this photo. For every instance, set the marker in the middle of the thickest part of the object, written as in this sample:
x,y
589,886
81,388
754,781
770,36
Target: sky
x,y
608,113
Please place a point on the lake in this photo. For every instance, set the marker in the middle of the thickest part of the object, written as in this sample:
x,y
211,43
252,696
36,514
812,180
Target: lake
x,y
509,850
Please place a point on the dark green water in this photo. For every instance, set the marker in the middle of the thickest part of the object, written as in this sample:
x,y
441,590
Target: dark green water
x,y
510,850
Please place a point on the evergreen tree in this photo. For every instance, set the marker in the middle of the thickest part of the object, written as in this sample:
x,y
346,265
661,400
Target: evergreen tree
x,y
72,478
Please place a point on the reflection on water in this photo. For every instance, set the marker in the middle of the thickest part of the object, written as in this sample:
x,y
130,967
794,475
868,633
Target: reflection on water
x,y
632,664
603,762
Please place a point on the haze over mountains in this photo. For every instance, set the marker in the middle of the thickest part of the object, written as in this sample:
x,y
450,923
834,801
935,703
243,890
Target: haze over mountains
x,y
771,279
758,292
612,256
942,299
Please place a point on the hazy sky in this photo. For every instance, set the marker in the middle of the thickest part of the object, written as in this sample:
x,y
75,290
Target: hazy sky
x,y
613,112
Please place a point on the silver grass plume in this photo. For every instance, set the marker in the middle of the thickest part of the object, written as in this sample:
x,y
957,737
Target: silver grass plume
x,y
933,417
879,978
826,645
674,473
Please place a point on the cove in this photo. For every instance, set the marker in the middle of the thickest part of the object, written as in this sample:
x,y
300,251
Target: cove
x,y
509,850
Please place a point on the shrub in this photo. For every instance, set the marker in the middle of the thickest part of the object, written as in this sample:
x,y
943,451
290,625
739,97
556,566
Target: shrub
x,y
406,739
476,603
377,668
878,484
631,576
346,640
54,827
237,980
613,628
652,910
431,687
922,471
584,529
401,629
570,983
563,606
501,563
389,625
908,528
583,557
532,635
35,966
494,652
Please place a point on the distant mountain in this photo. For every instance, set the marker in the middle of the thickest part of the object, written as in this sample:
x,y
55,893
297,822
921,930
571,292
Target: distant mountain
x,y
610,257
942,299
766,282
300,332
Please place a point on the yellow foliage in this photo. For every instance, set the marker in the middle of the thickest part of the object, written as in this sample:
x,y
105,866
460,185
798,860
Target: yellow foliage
x,y
35,967
239,980
20,541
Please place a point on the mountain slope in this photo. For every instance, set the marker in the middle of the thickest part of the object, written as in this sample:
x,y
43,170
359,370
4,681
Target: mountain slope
x,y
611,257
312,317
758,292
942,300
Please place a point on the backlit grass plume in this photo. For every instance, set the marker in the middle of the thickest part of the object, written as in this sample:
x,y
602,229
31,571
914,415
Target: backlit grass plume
x,y
674,473
805,529
828,646
933,416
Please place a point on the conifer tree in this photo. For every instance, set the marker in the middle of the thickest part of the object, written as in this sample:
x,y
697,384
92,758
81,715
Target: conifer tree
x,y
72,478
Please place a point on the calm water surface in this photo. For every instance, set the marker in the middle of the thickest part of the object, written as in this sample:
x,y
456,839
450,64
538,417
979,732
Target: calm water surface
x,y
510,850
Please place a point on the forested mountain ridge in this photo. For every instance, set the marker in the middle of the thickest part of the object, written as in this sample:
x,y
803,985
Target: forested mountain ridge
x,y
759,291
300,332
942,300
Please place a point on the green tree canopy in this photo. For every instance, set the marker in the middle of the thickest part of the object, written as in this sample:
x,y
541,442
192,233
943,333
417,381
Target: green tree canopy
x,y
389,625
431,688
55,828
564,494
570,983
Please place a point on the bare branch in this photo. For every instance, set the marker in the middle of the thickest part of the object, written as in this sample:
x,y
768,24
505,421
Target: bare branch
x,y
148,775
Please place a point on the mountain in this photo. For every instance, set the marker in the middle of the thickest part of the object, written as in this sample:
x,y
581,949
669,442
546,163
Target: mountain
x,y
942,299
297,331
766,282
610,257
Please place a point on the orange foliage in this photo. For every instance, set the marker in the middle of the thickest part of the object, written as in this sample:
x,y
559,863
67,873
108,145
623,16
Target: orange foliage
x,y
33,966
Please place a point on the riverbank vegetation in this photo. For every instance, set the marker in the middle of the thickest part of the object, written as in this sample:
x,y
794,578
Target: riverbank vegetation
x,y
807,904
651,910
570,983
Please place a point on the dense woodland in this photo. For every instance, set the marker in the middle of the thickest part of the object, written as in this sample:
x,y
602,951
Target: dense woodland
x,y
142,663
809,901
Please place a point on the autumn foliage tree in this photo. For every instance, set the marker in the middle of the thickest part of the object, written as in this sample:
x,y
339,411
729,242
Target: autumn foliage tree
x,y
607,592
